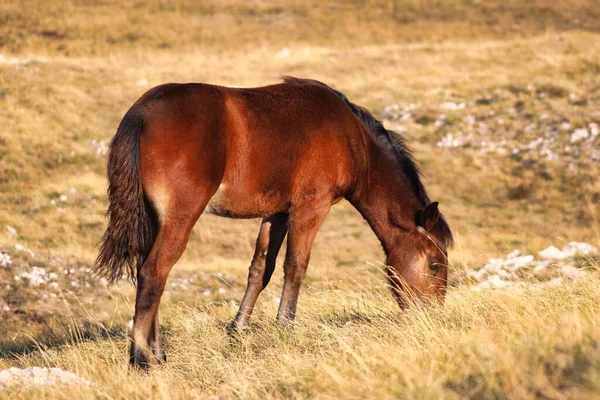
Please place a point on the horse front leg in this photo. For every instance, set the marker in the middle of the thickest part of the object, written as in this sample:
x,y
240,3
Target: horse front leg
x,y
304,224
270,237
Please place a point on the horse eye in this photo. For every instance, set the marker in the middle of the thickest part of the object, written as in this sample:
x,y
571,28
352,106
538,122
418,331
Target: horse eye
x,y
434,266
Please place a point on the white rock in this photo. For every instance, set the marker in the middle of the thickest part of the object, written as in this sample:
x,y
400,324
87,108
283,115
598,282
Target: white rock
x,y
582,248
535,143
391,112
449,105
11,230
517,263
35,276
449,140
285,52
63,198
480,274
39,376
504,274
541,267
493,265
579,134
20,247
571,271
549,154
142,82
497,282
552,253
5,260
513,254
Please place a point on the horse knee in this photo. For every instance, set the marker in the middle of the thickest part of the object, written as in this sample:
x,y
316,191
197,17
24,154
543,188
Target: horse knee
x,y
256,272
149,281
295,273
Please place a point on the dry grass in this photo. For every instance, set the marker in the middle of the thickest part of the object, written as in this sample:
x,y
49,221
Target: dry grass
x,y
350,340
527,343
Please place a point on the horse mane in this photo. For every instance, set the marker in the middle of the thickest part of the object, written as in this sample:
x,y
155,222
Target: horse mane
x,y
396,145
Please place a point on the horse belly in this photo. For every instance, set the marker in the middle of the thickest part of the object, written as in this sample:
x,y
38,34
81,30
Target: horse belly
x,y
231,202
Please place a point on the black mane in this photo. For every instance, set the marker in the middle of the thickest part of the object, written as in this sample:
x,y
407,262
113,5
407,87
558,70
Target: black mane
x,y
397,146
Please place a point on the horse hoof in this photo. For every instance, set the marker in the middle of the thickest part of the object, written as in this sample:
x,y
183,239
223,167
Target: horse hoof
x,y
139,363
285,323
137,358
234,330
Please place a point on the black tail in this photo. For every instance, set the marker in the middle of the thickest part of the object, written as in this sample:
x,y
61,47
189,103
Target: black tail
x,y
132,223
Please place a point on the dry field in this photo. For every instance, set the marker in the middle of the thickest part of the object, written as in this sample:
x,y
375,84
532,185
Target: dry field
x,y
500,101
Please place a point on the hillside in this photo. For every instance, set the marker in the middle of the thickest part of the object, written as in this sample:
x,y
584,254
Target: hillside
x,y
500,101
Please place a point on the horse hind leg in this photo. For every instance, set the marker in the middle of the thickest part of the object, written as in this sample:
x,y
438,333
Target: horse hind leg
x,y
270,237
176,223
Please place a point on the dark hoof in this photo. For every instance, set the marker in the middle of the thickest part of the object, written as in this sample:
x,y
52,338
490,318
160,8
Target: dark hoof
x,y
234,330
137,358
143,359
285,323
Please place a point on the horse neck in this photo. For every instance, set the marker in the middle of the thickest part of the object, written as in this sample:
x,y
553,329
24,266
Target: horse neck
x,y
386,199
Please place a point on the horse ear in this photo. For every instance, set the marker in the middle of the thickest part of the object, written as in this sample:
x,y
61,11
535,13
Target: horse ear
x,y
428,217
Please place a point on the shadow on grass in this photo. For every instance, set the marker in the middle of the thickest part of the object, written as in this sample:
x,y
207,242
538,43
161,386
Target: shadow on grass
x,y
56,338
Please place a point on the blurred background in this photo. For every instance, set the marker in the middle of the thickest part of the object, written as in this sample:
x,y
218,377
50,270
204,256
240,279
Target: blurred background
x,y
499,100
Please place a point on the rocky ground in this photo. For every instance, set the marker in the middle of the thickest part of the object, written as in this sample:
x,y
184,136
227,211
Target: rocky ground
x,y
40,292
35,376
551,266
535,135
544,123
38,287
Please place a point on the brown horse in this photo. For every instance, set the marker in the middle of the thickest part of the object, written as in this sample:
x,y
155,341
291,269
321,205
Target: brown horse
x,y
285,153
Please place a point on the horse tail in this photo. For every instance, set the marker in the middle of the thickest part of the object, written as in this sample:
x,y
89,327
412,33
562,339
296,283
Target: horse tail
x,y
132,223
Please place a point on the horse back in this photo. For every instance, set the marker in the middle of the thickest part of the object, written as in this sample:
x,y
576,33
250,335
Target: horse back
x,y
267,148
